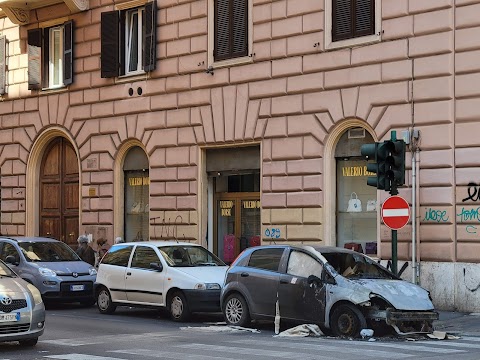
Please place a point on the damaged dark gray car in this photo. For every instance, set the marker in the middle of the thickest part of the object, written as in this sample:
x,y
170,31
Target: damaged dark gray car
x,y
340,290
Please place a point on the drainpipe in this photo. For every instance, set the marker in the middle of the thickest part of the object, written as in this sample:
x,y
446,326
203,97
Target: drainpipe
x,y
414,217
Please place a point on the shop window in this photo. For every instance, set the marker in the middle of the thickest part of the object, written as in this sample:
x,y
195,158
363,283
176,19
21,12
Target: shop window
x,y
50,57
129,41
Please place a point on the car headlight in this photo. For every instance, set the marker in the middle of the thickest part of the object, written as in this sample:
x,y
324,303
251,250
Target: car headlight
x,y
37,297
207,286
92,271
46,272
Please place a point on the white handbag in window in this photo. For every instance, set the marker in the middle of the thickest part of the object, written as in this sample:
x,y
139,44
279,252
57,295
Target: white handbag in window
x,y
354,204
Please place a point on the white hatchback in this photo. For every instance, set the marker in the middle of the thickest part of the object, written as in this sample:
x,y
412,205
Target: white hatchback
x,y
181,277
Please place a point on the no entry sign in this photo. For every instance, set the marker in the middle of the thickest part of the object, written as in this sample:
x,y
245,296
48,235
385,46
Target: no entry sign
x,y
395,212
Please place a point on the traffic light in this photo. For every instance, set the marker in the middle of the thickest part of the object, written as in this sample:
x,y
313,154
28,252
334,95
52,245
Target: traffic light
x,y
378,153
396,161
389,163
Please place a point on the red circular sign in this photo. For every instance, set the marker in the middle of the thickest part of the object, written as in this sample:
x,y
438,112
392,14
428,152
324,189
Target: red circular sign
x,y
395,212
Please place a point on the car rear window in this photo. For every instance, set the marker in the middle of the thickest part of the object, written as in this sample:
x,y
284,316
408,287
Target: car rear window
x,y
268,259
118,255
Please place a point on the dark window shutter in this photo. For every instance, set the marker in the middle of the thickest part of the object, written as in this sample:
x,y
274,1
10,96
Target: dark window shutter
x,y
222,29
365,17
109,38
352,18
46,58
68,53
149,37
342,20
34,41
3,73
240,28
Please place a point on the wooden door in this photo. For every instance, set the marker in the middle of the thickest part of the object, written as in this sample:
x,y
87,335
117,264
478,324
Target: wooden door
x,y
59,192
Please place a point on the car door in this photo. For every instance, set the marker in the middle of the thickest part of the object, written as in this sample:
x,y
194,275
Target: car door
x,y
260,279
298,299
143,284
112,270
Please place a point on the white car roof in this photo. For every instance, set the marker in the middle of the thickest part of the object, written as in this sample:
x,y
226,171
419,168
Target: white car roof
x,y
160,243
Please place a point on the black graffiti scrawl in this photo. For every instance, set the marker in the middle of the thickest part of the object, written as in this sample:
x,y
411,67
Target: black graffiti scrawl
x,y
473,192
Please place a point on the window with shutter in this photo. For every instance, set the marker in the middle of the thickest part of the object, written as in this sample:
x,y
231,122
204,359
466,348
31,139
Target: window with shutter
x,y
230,29
129,41
352,19
50,57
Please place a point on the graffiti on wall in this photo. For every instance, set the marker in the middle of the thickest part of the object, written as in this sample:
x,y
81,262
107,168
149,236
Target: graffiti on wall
x,y
435,215
166,227
273,233
472,192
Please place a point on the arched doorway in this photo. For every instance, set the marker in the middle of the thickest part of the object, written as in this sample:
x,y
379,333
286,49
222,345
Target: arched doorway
x,y
136,182
356,202
59,192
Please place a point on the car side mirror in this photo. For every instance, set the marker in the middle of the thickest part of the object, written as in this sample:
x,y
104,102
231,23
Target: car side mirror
x,y
10,259
156,266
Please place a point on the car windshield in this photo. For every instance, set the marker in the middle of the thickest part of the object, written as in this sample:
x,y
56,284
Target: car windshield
x,y
39,251
356,266
182,256
5,270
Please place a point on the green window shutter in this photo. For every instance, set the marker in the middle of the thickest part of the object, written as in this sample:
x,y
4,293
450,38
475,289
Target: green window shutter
x,y
240,28
110,44
222,29
68,53
342,20
34,41
364,17
150,37
352,19
3,68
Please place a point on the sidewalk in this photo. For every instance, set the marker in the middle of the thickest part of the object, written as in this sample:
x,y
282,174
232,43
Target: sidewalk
x,y
457,323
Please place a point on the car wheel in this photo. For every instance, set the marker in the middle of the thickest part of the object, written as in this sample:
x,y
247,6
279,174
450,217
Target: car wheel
x,y
236,311
104,302
28,342
178,307
347,321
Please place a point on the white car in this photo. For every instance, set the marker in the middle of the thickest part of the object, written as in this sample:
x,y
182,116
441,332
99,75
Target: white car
x,y
181,277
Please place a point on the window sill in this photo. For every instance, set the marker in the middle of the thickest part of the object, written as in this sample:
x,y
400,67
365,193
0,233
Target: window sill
x,y
232,62
364,40
53,90
141,75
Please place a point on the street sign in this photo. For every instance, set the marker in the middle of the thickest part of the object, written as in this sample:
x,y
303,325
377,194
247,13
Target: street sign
x,y
395,212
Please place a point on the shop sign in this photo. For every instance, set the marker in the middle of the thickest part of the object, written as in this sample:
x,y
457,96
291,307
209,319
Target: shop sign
x,y
251,204
226,207
356,171
139,181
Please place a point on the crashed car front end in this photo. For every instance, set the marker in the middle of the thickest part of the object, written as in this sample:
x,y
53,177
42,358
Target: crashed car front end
x,y
385,300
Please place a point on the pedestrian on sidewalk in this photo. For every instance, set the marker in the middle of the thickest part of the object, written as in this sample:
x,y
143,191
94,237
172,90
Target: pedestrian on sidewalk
x,y
85,252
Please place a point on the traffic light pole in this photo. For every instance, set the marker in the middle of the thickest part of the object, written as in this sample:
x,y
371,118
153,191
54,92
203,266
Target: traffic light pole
x,y
394,191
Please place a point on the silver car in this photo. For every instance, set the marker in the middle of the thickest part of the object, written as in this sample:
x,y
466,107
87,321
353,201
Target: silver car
x,y
341,290
52,266
22,313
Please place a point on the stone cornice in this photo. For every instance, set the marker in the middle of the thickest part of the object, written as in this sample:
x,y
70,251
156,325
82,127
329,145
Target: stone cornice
x,y
16,15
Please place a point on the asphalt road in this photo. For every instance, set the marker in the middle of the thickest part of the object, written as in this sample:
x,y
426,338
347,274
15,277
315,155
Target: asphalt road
x,y
76,333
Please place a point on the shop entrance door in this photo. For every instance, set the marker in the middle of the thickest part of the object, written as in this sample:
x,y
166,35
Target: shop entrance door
x,y
238,223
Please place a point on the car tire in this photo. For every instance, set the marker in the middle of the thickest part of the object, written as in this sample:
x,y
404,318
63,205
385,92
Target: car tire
x,y
28,342
347,321
178,307
235,310
104,302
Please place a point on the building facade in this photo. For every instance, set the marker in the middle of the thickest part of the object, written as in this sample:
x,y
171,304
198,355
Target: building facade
x,y
234,123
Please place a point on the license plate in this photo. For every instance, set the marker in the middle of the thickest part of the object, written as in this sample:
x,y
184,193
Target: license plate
x,y
77,287
10,317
